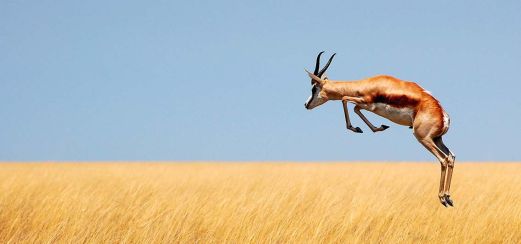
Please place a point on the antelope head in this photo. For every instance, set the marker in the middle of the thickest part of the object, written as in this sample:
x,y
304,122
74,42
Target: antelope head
x,y
318,80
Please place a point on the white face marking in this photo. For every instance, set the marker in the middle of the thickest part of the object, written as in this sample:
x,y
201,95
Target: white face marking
x,y
309,99
315,99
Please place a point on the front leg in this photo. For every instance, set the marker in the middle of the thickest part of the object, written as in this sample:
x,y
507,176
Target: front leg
x,y
371,126
348,122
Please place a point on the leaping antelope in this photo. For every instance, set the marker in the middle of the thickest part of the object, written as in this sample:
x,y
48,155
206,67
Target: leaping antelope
x,y
402,102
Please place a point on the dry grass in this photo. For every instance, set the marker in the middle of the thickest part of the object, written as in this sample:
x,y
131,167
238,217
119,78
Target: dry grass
x,y
269,202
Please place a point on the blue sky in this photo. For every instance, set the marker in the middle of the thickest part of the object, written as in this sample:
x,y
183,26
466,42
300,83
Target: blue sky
x,y
225,80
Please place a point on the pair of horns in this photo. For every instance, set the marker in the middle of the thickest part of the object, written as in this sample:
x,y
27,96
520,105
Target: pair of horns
x,y
317,65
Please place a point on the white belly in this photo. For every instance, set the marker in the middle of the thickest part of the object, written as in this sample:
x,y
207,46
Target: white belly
x,y
402,116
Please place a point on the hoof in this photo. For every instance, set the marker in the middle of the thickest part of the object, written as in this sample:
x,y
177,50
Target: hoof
x,y
356,130
384,127
449,201
443,200
444,203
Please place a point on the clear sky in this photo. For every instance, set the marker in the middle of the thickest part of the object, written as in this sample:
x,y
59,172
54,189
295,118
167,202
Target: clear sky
x,y
225,80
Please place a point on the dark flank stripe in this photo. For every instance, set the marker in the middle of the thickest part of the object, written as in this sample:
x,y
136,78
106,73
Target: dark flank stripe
x,y
398,101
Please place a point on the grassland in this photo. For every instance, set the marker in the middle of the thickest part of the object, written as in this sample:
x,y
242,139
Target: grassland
x,y
257,203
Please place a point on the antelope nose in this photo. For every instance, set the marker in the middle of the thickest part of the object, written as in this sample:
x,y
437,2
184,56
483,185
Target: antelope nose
x,y
306,105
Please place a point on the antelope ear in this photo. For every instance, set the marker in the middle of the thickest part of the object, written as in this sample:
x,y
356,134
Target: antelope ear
x,y
315,78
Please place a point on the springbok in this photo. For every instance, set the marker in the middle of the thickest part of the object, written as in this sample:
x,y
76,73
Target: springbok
x,y
402,102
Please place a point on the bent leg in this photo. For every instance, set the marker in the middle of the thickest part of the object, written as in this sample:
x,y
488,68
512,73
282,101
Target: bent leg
x,y
348,122
371,126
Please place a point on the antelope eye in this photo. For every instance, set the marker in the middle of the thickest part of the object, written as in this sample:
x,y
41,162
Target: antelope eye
x,y
314,89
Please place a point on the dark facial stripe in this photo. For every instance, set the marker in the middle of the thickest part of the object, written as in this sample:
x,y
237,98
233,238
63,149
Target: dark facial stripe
x,y
313,90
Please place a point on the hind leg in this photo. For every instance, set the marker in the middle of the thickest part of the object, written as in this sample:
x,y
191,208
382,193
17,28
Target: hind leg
x,y
424,128
450,167
429,144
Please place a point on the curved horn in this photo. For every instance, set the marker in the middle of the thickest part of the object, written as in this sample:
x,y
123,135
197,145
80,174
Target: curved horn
x,y
323,70
317,65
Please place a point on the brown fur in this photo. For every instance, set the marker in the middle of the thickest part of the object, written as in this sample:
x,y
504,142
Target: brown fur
x,y
400,101
389,90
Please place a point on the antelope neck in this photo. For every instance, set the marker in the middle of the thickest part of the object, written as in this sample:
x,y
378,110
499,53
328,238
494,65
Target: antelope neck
x,y
337,89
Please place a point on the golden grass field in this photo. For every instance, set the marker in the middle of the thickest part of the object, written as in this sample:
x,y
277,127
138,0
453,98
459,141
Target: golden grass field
x,y
257,203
